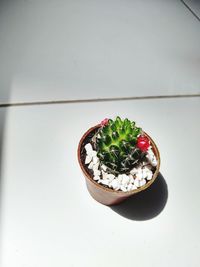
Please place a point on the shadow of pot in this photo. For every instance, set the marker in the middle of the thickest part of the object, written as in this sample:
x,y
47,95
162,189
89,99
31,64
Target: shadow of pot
x,y
100,193
145,205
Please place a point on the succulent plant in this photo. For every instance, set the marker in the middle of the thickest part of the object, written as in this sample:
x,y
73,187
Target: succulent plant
x,y
117,145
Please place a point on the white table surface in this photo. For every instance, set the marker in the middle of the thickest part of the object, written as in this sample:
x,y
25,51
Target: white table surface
x,y
62,50
49,219
75,49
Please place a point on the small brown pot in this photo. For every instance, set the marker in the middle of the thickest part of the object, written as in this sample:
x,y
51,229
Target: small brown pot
x,y
108,196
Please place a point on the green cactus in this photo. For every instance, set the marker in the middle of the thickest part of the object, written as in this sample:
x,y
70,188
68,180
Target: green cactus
x,y
116,145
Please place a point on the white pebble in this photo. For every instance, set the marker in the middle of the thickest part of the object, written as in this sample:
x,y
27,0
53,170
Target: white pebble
x,y
88,159
149,175
104,175
131,187
150,151
154,162
134,187
133,171
96,178
95,160
89,154
144,173
125,179
115,184
137,182
96,166
93,153
139,175
105,182
151,157
142,182
110,177
88,148
90,166
131,180
123,188
120,178
96,172
104,168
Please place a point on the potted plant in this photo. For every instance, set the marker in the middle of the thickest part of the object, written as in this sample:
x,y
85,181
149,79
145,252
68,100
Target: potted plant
x,y
118,159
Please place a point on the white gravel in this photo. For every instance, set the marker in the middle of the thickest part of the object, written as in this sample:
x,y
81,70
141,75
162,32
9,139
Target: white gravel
x,y
137,177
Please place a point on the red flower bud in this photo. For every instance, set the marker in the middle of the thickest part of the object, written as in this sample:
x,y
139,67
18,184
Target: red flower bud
x,y
143,143
105,122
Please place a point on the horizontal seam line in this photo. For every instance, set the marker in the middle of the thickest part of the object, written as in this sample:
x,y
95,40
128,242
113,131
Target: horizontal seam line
x,y
193,13
74,101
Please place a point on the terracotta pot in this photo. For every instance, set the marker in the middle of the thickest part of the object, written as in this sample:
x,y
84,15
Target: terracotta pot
x,y
108,196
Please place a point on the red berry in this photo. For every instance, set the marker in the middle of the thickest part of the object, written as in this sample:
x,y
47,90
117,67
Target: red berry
x,y
105,122
143,143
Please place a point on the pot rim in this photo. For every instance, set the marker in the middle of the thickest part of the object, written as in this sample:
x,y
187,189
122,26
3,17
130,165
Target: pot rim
x,y
110,190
